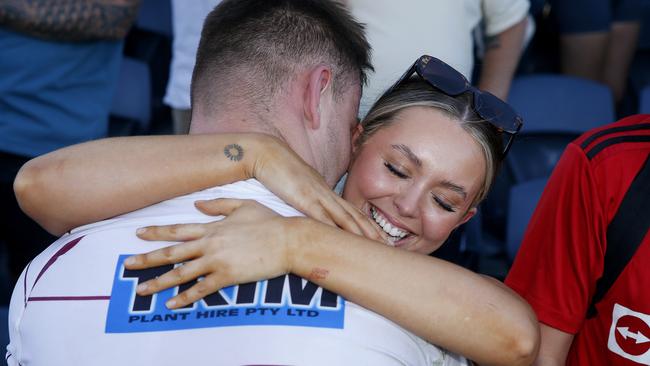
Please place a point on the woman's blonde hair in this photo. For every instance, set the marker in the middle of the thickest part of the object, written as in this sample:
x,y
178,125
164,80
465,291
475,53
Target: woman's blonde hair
x,y
418,93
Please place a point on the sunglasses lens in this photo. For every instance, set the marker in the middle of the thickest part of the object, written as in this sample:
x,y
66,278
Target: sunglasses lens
x,y
443,77
496,111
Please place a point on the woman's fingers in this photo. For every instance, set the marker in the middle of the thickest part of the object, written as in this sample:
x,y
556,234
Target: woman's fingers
x,y
168,255
177,276
201,289
369,228
178,232
219,206
353,220
340,216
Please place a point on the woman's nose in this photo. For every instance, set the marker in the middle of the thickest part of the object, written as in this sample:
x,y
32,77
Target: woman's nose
x,y
406,201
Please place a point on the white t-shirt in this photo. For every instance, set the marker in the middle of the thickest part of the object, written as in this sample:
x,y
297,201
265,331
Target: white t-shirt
x,y
187,21
75,304
401,31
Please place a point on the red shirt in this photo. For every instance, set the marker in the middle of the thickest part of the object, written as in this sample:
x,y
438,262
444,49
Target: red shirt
x,y
562,254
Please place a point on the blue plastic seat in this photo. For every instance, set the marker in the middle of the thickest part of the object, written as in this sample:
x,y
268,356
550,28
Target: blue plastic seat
x,y
556,109
644,100
560,103
523,200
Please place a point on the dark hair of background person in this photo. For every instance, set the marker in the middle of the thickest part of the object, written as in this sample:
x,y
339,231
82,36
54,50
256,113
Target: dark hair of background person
x,y
258,44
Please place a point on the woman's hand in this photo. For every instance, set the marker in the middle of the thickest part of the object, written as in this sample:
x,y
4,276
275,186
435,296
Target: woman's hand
x,y
248,245
290,178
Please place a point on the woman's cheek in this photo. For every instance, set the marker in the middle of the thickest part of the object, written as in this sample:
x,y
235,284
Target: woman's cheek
x,y
435,230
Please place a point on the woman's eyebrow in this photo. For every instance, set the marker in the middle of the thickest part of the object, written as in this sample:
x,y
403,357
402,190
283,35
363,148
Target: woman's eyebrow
x,y
455,187
406,151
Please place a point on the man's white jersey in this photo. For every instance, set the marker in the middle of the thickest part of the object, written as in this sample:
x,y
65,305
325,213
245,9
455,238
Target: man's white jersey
x,y
75,304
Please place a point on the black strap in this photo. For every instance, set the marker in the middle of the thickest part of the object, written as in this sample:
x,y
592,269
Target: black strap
x,y
616,140
612,130
625,233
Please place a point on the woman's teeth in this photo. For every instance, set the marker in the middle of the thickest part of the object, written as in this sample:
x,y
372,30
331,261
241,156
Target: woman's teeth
x,y
391,230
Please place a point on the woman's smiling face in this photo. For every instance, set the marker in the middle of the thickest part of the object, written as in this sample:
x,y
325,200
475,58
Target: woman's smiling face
x,y
417,178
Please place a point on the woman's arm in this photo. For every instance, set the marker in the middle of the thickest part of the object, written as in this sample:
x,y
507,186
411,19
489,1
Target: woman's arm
x,y
100,179
445,304
97,180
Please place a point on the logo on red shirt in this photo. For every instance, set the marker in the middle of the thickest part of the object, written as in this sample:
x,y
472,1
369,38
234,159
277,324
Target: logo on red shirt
x,y
629,334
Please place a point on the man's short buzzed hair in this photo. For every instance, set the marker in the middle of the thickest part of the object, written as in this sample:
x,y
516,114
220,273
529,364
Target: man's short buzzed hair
x,y
252,48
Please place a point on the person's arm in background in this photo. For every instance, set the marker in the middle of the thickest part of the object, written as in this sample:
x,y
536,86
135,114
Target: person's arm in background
x,y
69,20
502,52
554,346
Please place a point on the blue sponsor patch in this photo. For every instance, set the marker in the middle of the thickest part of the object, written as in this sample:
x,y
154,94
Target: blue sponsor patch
x,y
286,300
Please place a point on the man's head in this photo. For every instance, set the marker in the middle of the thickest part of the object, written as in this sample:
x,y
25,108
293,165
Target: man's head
x,y
290,68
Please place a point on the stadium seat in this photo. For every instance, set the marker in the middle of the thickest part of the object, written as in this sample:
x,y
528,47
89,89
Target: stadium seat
x,y
4,327
131,108
523,200
556,109
560,103
644,100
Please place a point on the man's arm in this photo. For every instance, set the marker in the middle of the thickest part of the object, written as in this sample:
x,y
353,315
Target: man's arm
x,y
502,53
554,346
69,20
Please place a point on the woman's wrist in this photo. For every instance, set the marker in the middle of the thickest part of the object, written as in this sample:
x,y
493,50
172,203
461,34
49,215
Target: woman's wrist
x,y
295,239
262,148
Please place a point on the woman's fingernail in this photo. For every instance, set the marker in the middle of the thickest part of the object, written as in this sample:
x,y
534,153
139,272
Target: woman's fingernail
x,y
141,230
142,287
129,261
171,303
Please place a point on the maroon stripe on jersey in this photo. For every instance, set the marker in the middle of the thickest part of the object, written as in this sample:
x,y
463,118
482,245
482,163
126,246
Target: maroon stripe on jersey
x,y
25,283
56,256
68,298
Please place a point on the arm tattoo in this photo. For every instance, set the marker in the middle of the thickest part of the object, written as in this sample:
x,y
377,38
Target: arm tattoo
x,y
234,152
69,20
492,42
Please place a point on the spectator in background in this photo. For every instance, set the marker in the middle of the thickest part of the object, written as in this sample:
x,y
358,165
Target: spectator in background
x,y
400,32
187,20
598,39
583,263
59,65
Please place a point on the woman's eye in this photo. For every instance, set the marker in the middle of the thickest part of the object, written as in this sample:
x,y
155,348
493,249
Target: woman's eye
x,y
395,171
445,206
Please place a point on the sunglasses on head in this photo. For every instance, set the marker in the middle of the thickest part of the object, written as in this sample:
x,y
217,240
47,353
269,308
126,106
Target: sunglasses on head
x,y
449,81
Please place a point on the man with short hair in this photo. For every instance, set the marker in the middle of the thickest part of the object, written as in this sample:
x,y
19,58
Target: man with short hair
x,y
291,69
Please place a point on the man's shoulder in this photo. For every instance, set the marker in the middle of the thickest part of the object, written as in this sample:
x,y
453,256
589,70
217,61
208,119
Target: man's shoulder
x,y
181,209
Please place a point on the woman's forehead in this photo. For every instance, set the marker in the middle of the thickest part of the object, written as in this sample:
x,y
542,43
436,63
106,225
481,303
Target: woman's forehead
x,y
434,142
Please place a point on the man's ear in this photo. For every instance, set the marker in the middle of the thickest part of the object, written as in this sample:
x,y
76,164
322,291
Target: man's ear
x,y
320,79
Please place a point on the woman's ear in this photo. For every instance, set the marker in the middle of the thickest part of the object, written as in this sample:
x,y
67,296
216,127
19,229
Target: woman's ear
x,y
320,79
470,213
357,131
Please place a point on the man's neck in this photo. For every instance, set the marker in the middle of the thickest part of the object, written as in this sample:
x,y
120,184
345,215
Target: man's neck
x,y
232,122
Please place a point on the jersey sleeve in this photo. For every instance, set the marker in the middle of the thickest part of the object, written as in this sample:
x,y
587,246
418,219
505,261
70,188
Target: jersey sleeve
x,y
500,15
562,252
